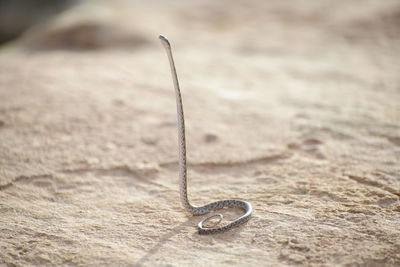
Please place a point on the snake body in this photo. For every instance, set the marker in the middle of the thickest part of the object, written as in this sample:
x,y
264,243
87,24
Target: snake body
x,y
231,203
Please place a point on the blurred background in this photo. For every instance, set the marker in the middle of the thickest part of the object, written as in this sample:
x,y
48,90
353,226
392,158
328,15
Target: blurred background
x,y
303,67
266,26
18,16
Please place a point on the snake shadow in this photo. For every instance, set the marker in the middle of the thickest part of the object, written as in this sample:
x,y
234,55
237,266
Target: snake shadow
x,y
192,221
164,238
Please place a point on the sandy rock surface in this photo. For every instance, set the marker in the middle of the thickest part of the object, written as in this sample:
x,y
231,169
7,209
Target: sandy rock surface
x,y
293,107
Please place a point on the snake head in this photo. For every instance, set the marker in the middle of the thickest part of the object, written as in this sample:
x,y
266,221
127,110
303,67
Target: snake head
x,y
164,41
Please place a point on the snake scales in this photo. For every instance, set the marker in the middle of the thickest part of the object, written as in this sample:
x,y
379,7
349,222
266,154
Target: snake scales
x,y
202,228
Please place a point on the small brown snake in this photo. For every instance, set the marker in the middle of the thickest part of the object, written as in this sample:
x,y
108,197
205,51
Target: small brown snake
x,y
183,169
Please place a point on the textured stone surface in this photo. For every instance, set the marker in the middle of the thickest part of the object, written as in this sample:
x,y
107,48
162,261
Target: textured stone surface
x,y
292,107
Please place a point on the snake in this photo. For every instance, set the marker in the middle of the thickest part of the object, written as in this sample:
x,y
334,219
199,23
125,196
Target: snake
x,y
203,227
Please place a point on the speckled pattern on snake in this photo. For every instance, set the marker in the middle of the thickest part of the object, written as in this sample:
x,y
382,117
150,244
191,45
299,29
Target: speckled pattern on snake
x,y
202,228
